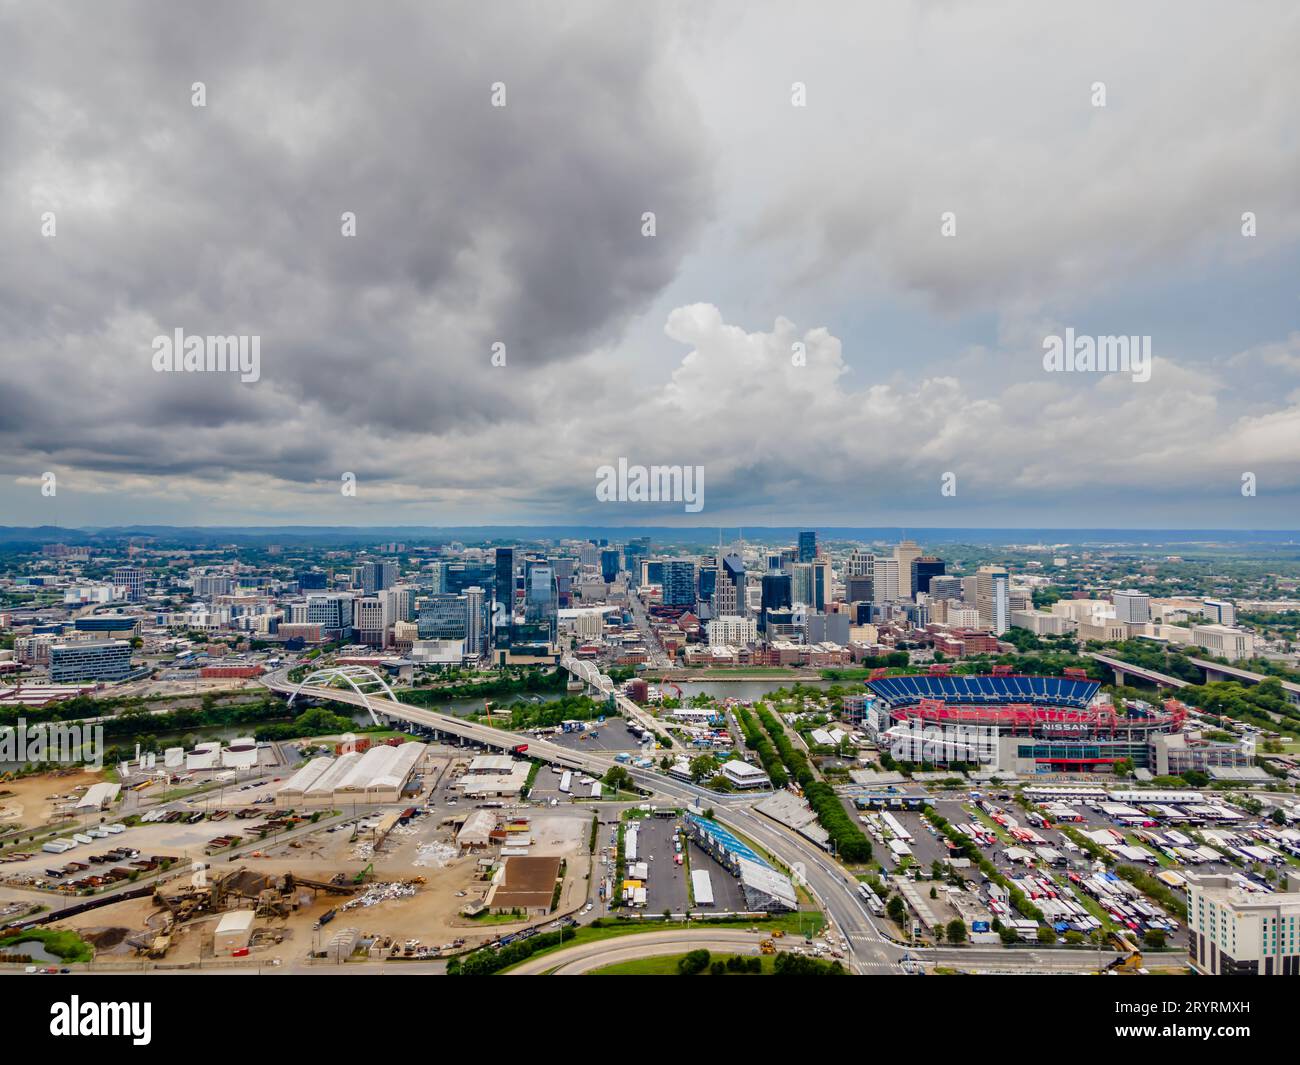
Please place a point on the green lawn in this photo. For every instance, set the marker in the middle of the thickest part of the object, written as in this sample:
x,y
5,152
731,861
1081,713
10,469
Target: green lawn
x,y
666,965
787,922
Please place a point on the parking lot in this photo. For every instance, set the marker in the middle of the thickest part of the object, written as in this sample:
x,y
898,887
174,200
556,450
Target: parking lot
x,y
611,737
666,888
546,786
727,894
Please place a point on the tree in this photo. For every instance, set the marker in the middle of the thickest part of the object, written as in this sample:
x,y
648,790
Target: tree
x,y
896,909
618,778
1046,934
702,767
1154,938
693,963
957,931
938,933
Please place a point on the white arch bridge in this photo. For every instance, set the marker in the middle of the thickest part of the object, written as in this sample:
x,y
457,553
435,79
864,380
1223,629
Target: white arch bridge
x,y
589,673
361,679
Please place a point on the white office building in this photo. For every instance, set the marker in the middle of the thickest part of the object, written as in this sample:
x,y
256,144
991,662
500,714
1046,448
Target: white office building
x,y
1132,608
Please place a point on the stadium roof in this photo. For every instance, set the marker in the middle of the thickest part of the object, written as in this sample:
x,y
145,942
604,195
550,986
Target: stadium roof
x,y
983,690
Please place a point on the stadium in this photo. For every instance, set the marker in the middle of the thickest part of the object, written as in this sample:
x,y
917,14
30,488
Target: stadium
x,y
1014,724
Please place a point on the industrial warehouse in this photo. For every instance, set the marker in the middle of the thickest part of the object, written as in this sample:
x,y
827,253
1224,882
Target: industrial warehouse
x,y
382,774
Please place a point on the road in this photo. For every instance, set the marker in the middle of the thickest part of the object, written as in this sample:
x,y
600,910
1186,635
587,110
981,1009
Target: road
x,y
573,961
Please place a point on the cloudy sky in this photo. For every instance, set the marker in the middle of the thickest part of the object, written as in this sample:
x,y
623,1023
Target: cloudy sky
x,y
774,225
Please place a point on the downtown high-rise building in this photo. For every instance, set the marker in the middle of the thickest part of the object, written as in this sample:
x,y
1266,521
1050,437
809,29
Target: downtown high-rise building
x,y
730,596
777,594
905,553
924,570
884,581
375,575
128,583
821,583
609,567
860,563
944,587
476,642
678,583
332,611
985,577
503,585
807,546
541,597
801,583
1001,610
442,617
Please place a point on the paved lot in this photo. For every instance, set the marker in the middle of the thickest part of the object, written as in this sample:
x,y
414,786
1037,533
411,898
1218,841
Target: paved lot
x,y
612,736
666,888
727,894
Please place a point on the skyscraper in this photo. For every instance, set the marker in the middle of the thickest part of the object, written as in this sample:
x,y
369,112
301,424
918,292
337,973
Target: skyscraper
x,y
776,595
679,582
443,617
807,546
609,564
128,583
984,589
1001,620
503,585
375,576
821,582
885,581
708,581
731,586
945,588
859,564
905,553
858,589
332,612
540,595
925,569
801,583
475,627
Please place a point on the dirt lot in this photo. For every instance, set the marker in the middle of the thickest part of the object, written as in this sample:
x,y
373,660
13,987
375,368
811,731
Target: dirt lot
x,y
33,801
425,849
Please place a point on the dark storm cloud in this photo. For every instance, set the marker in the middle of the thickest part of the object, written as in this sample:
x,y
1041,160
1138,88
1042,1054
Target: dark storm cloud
x,y
475,224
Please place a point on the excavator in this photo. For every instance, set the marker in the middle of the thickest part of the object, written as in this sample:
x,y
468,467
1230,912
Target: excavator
x,y
1129,961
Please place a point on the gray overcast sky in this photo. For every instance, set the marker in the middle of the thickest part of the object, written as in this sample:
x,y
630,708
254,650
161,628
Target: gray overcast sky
x,y
775,224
